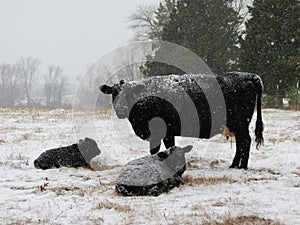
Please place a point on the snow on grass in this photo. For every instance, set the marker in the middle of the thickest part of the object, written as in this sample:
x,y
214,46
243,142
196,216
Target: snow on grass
x,y
267,193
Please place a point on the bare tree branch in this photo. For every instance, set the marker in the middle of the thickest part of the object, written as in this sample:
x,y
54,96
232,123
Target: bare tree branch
x,y
143,21
27,70
54,86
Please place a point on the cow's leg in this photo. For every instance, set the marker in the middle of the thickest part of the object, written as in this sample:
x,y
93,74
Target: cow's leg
x,y
236,159
169,141
245,150
243,141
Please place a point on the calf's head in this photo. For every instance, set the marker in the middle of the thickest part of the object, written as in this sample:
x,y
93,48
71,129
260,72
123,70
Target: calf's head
x,y
124,95
88,148
174,158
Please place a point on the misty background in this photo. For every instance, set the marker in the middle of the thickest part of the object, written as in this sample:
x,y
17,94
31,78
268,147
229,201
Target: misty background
x,y
46,47
70,34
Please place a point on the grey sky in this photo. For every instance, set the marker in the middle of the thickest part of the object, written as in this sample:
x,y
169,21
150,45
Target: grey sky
x,y
69,33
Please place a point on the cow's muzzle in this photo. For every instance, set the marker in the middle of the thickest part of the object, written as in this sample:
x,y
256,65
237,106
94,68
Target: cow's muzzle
x,y
121,113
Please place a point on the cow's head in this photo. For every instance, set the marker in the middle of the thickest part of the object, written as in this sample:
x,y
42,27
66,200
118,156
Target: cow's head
x,y
124,95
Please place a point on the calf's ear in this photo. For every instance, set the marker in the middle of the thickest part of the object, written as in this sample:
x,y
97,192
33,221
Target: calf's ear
x,y
106,89
187,148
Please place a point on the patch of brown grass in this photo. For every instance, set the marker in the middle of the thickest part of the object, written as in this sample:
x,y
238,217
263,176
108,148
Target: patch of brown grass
x,y
267,170
216,162
25,137
246,220
17,156
98,167
193,162
190,180
115,206
103,110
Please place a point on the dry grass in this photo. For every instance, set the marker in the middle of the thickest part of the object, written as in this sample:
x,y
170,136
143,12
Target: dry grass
x,y
17,156
115,206
210,218
98,167
245,220
26,221
200,216
280,139
103,111
216,162
25,136
194,162
192,181
265,170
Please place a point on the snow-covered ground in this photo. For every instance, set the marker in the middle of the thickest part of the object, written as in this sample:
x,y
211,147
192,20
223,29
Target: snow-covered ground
x,y
267,193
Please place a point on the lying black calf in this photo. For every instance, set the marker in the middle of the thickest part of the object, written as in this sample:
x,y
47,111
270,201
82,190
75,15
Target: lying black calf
x,y
154,174
76,155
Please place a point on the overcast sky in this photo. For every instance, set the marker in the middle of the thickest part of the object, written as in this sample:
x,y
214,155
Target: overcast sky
x,y
69,33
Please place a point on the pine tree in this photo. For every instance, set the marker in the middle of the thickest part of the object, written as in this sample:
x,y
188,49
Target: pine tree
x,y
271,45
208,28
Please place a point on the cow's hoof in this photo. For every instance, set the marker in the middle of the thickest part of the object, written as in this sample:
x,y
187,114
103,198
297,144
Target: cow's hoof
x,y
234,167
238,167
243,168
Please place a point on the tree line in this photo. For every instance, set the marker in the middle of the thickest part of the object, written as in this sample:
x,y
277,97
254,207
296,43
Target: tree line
x,y
20,79
262,37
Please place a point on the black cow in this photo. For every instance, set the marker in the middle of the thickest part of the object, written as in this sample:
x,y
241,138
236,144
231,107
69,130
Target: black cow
x,y
162,107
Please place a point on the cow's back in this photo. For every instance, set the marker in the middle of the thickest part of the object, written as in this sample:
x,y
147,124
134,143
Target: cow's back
x,y
181,100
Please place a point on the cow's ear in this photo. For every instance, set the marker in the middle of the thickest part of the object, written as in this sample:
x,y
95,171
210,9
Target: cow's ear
x,y
106,89
137,89
187,149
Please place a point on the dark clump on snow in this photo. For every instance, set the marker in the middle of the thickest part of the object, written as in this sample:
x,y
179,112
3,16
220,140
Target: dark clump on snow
x,y
154,174
75,155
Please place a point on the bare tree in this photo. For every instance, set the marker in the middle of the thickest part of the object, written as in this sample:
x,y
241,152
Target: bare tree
x,y
27,70
128,63
9,88
148,20
142,21
54,86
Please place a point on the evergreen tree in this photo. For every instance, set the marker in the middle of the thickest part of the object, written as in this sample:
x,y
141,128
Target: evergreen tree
x,y
271,45
208,28
162,17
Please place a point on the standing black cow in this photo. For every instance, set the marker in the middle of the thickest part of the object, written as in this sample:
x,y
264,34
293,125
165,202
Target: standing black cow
x,y
181,103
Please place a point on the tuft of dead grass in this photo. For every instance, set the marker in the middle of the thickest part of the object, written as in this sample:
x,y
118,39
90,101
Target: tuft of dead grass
x,y
98,167
103,111
192,181
115,206
194,162
245,220
17,156
265,170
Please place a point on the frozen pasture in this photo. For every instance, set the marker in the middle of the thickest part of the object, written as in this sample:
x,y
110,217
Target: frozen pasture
x,y
267,193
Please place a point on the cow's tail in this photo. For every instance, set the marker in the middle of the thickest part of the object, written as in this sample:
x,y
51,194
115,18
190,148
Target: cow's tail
x,y
259,123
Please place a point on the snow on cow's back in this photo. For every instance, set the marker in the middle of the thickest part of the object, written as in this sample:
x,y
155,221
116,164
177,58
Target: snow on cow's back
x,y
173,83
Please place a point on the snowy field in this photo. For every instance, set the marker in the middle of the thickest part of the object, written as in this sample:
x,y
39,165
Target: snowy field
x,y
267,193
